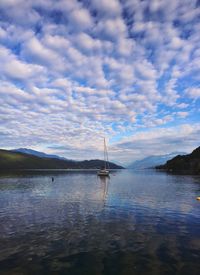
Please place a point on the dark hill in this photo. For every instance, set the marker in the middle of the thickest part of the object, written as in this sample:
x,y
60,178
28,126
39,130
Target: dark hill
x,y
16,160
187,164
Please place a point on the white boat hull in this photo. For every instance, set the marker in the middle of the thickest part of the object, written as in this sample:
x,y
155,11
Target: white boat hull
x,y
103,173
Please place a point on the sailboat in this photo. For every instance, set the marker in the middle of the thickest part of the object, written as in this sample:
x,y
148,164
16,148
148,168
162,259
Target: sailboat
x,y
104,171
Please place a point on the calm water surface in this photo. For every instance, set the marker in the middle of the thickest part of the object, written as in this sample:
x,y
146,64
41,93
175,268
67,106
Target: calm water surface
x,y
133,223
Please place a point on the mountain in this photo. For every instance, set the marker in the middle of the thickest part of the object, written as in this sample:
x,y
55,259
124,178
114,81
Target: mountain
x,y
152,161
17,160
36,153
187,164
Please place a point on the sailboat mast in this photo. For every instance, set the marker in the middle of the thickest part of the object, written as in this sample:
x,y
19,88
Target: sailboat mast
x,y
107,157
104,150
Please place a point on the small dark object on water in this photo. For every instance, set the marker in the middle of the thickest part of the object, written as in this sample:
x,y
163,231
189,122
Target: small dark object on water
x,y
52,178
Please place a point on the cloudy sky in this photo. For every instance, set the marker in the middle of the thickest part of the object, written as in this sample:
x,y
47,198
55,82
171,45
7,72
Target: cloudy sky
x,y
74,71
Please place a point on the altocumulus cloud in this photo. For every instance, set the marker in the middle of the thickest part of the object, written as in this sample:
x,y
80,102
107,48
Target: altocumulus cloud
x,y
74,71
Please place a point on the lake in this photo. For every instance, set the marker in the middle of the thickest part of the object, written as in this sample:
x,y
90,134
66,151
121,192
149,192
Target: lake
x,y
135,222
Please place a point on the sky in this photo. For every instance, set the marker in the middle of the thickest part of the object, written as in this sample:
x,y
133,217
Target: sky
x,y
72,72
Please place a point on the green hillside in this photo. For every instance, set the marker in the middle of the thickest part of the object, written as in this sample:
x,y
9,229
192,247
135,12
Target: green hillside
x,y
16,160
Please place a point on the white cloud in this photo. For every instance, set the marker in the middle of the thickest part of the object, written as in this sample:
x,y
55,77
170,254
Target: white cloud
x,y
86,43
146,70
193,92
81,19
124,46
107,8
33,49
182,114
8,3
55,42
182,105
112,28
2,33
17,69
171,95
20,12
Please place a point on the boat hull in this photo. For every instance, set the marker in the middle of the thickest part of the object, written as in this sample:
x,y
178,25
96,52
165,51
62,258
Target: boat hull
x,y
103,173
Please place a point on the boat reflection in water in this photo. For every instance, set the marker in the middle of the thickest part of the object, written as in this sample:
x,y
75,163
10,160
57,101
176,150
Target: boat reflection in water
x,y
104,184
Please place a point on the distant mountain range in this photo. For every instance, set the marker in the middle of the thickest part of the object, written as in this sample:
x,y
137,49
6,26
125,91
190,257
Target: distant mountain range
x,y
152,161
36,153
186,164
11,159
